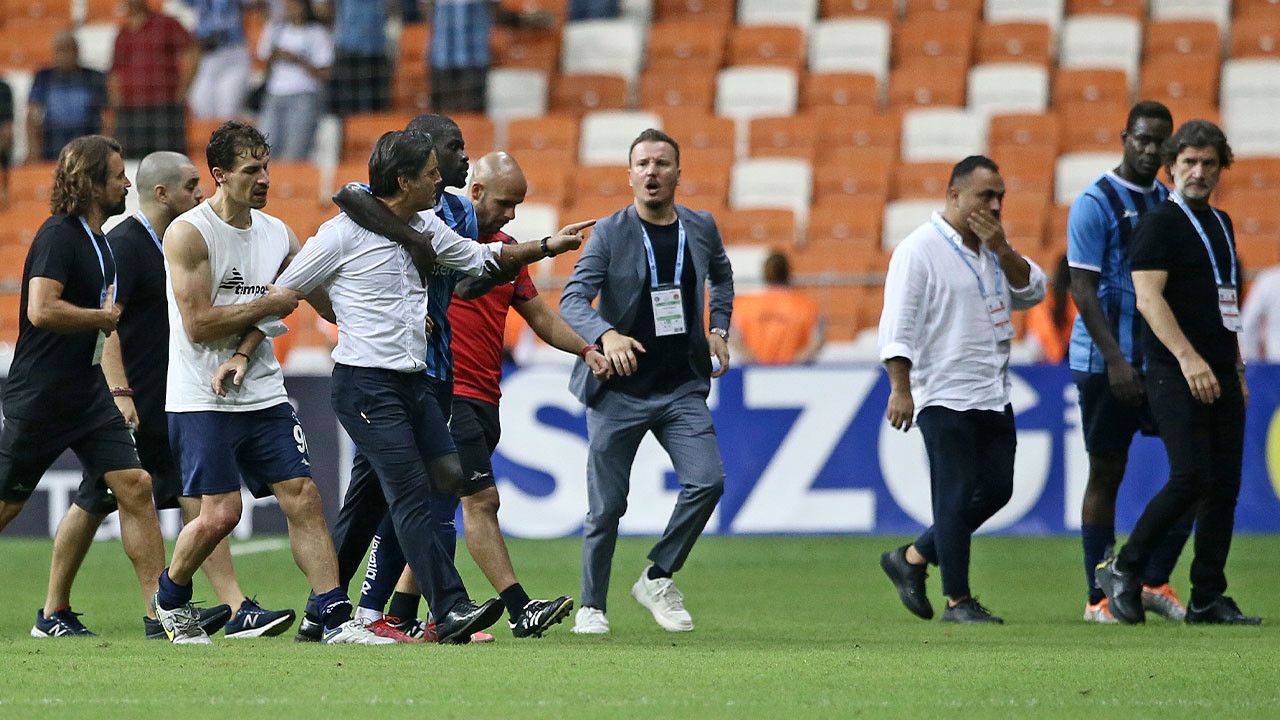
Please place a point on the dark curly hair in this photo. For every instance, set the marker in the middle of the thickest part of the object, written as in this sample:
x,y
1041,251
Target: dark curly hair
x,y
232,138
82,166
1197,134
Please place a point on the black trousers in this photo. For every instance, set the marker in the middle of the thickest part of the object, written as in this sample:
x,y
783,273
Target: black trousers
x,y
1205,445
971,478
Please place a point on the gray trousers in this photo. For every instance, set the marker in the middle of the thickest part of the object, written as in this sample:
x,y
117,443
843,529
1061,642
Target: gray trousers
x,y
617,423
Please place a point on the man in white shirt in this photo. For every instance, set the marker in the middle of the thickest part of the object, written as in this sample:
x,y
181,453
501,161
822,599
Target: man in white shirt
x,y
944,339
1260,339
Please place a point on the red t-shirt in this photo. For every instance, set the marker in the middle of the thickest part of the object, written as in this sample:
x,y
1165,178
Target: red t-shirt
x,y
477,333
146,61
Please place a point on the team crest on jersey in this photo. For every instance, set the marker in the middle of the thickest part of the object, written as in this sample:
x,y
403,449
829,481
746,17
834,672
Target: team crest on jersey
x,y
236,284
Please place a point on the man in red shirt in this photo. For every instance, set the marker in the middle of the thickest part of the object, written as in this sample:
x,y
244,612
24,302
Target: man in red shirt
x,y
151,69
478,319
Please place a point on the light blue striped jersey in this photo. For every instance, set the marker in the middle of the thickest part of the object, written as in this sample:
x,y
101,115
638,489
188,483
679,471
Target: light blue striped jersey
x,y
460,215
1099,230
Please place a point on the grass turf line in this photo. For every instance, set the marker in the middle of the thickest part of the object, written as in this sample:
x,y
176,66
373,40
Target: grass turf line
x,y
799,627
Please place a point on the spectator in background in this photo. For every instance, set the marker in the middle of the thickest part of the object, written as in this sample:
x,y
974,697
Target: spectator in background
x,y
6,139
779,324
152,68
1050,322
361,78
593,9
66,101
222,76
299,53
1261,318
459,58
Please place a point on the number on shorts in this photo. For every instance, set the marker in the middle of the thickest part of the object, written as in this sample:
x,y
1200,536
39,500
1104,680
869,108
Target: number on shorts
x,y
300,438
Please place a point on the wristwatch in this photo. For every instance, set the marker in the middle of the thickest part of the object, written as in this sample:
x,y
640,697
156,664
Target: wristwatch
x,y
724,334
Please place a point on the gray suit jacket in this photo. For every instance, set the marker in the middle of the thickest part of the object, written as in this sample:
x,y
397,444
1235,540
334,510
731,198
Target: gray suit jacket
x,y
613,267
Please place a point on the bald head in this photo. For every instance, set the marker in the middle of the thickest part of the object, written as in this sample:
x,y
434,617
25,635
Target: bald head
x,y
498,186
168,184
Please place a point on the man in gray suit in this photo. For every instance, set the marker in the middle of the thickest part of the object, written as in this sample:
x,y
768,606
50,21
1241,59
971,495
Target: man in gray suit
x,y
648,264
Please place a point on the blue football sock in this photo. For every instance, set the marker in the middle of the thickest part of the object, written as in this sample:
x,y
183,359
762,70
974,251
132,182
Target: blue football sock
x,y
332,608
1096,539
386,563
171,595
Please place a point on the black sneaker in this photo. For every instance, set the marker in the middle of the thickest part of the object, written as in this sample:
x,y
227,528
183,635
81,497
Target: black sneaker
x,y
62,623
1222,611
252,620
1123,591
970,612
539,615
309,631
909,580
466,618
211,620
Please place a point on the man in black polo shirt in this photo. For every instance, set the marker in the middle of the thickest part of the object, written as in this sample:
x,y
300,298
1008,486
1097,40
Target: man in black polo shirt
x,y
56,398
1187,278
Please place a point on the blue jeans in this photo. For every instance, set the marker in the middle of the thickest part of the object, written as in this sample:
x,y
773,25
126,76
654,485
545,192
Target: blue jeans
x,y
289,122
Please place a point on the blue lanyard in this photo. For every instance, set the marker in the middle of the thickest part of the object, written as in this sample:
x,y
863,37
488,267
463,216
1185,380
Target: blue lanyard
x,y
102,263
982,288
142,218
1204,238
653,262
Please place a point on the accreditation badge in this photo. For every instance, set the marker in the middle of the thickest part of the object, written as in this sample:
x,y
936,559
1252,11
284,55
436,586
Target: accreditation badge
x,y
1000,319
668,310
97,349
1229,308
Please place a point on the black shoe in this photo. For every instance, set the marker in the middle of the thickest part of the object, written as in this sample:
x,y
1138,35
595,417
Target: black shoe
x,y
909,580
970,612
211,621
539,615
1123,591
466,618
309,631
1222,611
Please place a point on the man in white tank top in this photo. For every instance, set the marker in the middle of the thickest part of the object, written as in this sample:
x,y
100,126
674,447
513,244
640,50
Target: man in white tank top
x,y
221,258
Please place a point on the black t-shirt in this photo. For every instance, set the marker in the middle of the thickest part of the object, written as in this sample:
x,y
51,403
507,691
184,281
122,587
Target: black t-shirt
x,y
53,376
666,363
1166,240
144,324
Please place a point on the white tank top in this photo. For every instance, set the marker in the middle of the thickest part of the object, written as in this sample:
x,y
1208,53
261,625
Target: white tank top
x,y
241,264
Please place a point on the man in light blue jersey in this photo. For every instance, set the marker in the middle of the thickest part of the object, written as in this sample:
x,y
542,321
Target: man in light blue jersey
x,y
1105,357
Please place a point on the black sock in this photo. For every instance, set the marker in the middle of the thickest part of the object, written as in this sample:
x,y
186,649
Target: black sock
x,y
515,598
404,605
656,572
332,607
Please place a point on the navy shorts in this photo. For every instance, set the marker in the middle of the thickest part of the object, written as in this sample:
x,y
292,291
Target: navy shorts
x,y
476,428
99,438
216,450
1109,424
157,460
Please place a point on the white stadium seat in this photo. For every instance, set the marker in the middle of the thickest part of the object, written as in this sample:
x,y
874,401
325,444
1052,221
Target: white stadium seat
x,y
516,93
606,134
772,183
1249,80
97,43
1101,41
942,134
603,47
744,92
851,45
1076,170
802,13
1008,88
640,11
1048,12
1218,11
1252,128
901,217
533,220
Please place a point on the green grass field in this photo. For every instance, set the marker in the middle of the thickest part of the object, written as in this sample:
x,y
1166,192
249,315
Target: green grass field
x,y
795,628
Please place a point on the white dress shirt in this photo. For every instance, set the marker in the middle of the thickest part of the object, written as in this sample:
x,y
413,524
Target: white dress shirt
x,y
377,296
936,317
1261,318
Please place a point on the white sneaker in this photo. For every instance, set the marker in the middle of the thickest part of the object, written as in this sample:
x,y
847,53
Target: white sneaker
x,y
354,632
181,624
590,621
664,600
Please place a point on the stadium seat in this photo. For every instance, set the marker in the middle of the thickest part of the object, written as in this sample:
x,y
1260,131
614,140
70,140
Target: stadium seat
x,y
294,180
839,90
578,94
1026,170
782,45
411,46
1030,42
901,217
21,220
526,48
846,227
1252,128
97,45
533,221
96,11
972,8
516,93
710,12
1254,212
1048,12
53,10
13,258
886,9
1219,11
1248,80
1101,41
1249,10
701,132
836,134
800,13
1023,224
359,133
704,182
1180,77
1092,126
935,35
784,183
943,134
1199,38
9,317
788,136
548,181
1008,87
1089,85
410,89
851,45
758,226
693,89
551,132
747,92
1075,171
1256,37
1183,110
603,47
478,132
840,180
28,42
606,135
1026,130
31,181
1254,174
602,181
686,44
1136,9
1257,251
923,83
921,180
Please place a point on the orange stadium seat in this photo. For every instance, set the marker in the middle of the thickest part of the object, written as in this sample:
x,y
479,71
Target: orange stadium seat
x,y
829,251
1023,224
758,226
360,132
887,9
411,89
767,45
712,12
548,182
601,181
350,172
28,42
972,8
839,90
1255,173
9,317
852,221
1026,130
1182,37
13,258
32,181
923,180
1187,109
924,83
1248,10
868,177
547,133
295,180
703,183
591,207
578,94
526,48
838,132
715,158
1256,37
686,45
1253,212
198,133
103,11
1128,8
415,40
1071,85
1257,251
793,136
1187,78
303,215
38,10
1026,169
477,133
936,35
20,221
694,89
699,132
1025,42
1093,126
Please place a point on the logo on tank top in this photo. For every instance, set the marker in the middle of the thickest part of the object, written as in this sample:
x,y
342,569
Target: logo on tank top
x,y
235,283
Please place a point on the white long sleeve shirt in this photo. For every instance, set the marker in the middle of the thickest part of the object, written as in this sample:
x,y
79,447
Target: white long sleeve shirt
x,y
377,296
1260,316
935,316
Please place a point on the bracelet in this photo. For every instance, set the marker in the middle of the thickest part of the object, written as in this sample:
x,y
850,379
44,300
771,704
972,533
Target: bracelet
x,y
243,355
546,251
122,392
583,352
